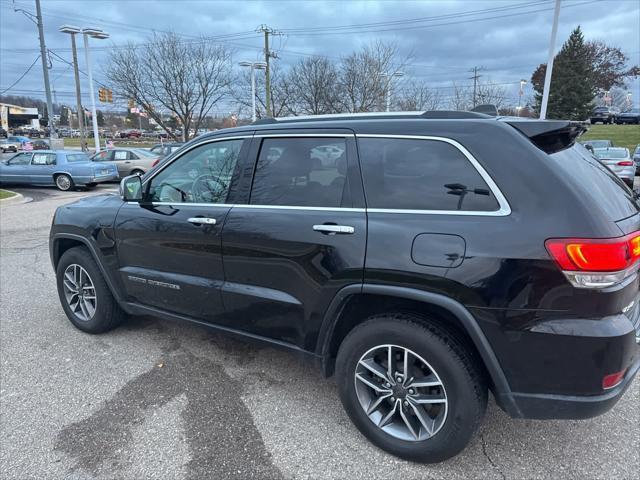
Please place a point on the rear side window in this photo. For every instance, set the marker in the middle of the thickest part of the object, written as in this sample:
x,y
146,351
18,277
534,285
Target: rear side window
x,y
421,175
307,172
594,179
77,157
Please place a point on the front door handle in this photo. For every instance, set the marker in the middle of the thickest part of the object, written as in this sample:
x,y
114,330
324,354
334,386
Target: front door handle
x,y
333,229
202,220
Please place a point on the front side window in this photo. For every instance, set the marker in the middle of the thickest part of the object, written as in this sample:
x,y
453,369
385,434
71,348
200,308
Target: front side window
x,y
201,175
21,159
301,172
421,175
103,156
43,159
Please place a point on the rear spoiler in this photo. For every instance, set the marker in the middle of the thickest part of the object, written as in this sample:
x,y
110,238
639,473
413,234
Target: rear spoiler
x,y
549,136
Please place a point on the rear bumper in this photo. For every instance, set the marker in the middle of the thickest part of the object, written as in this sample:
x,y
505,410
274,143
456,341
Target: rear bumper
x,y
541,406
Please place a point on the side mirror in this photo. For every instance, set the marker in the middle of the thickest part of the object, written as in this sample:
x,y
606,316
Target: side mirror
x,y
131,188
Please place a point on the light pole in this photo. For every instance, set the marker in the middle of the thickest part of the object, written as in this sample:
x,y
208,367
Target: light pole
x,y
71,30
99,34
253,66
389,80
523,82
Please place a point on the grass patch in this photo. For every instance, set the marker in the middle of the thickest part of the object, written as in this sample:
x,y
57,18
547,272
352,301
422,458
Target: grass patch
x,y
621,135
6,194
75,142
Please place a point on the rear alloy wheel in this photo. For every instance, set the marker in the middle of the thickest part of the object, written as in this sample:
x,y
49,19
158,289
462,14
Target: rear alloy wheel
x,y
64,182
411,387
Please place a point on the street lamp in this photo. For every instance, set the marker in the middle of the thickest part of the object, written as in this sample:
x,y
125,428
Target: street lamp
x,y
253,66
100,35
389,79
523,82
71,30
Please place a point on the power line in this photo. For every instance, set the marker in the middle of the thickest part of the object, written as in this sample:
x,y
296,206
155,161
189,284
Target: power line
x,y
21,76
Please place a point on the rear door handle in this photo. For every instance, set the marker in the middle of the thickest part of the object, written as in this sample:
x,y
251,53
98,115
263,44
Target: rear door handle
x,y
333,229
202,220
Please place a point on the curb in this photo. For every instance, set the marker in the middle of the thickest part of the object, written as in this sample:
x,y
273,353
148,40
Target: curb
x,y
17,198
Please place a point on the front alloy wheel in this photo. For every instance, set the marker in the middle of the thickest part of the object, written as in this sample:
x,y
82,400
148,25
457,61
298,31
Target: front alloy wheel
x,y
80,292
401,393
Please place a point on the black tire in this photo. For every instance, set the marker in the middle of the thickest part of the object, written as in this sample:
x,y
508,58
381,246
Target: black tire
x,y
64,182
137,171
108,313
90,185
456,366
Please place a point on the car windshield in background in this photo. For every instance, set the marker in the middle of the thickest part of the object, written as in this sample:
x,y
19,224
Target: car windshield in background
x,y
77,157
598,143
145,153
612,153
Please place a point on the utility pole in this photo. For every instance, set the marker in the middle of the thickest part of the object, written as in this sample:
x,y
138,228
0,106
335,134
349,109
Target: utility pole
x,y
475,83
267,71
547,75
45,71
71,30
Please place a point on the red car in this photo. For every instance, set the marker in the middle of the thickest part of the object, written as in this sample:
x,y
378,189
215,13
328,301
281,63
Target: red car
x,y
130,133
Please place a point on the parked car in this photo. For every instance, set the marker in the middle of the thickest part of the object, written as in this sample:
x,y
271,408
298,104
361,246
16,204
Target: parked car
x,y
164,149
39,145
130,133
636,158
443,255
130,161
63,168
602,114
619,161
16,141
9,146
593,144
630,116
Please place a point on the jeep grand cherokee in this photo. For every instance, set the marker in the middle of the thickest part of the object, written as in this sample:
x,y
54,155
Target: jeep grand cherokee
x,y
435,257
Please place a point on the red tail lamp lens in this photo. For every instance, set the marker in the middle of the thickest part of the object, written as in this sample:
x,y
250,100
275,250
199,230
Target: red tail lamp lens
x,y
626,163
595,255
155,162
612,380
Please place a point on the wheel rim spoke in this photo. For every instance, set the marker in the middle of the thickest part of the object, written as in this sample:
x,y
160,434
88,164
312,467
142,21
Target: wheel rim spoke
x,y
406,398
79,292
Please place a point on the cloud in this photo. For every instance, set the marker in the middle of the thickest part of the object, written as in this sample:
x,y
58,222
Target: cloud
x,y
508,44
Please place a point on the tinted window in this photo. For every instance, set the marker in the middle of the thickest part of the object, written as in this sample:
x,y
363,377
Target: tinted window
x,y
308,172
202,175
612,153
594,179
421,175
77,157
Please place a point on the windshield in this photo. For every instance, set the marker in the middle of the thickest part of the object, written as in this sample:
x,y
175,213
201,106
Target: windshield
x,y
611,153
145,153
598,143
594,179
77,157
633,110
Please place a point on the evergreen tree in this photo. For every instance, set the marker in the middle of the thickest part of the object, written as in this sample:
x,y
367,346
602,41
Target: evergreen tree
x,y
100,118
64,116
572,82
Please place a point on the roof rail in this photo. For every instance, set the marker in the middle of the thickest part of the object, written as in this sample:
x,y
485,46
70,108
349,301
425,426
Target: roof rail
x,y
433,114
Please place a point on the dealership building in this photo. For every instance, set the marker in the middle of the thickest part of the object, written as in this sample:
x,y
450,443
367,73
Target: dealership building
x,y
14,116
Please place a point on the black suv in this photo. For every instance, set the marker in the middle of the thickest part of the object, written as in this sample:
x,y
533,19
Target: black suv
x,y
602,114
425,259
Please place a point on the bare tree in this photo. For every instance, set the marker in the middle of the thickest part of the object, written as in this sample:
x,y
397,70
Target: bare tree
x,y
313,86
167,74
416,96
461,97
491,93
360,85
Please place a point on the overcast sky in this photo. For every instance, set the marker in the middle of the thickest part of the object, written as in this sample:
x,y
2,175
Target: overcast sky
x,y
446,38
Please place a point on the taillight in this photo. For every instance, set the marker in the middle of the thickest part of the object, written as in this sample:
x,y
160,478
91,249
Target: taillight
x,y
613,380
596,263
625,163
157,161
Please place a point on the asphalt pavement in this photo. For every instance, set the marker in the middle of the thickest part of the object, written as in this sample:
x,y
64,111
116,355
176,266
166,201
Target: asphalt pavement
x,y
157,399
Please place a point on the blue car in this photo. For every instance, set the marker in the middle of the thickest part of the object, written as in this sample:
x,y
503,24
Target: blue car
x,y
63,168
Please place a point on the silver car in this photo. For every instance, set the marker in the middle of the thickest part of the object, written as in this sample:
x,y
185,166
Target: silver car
x,y
636,158
130,161
619,161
